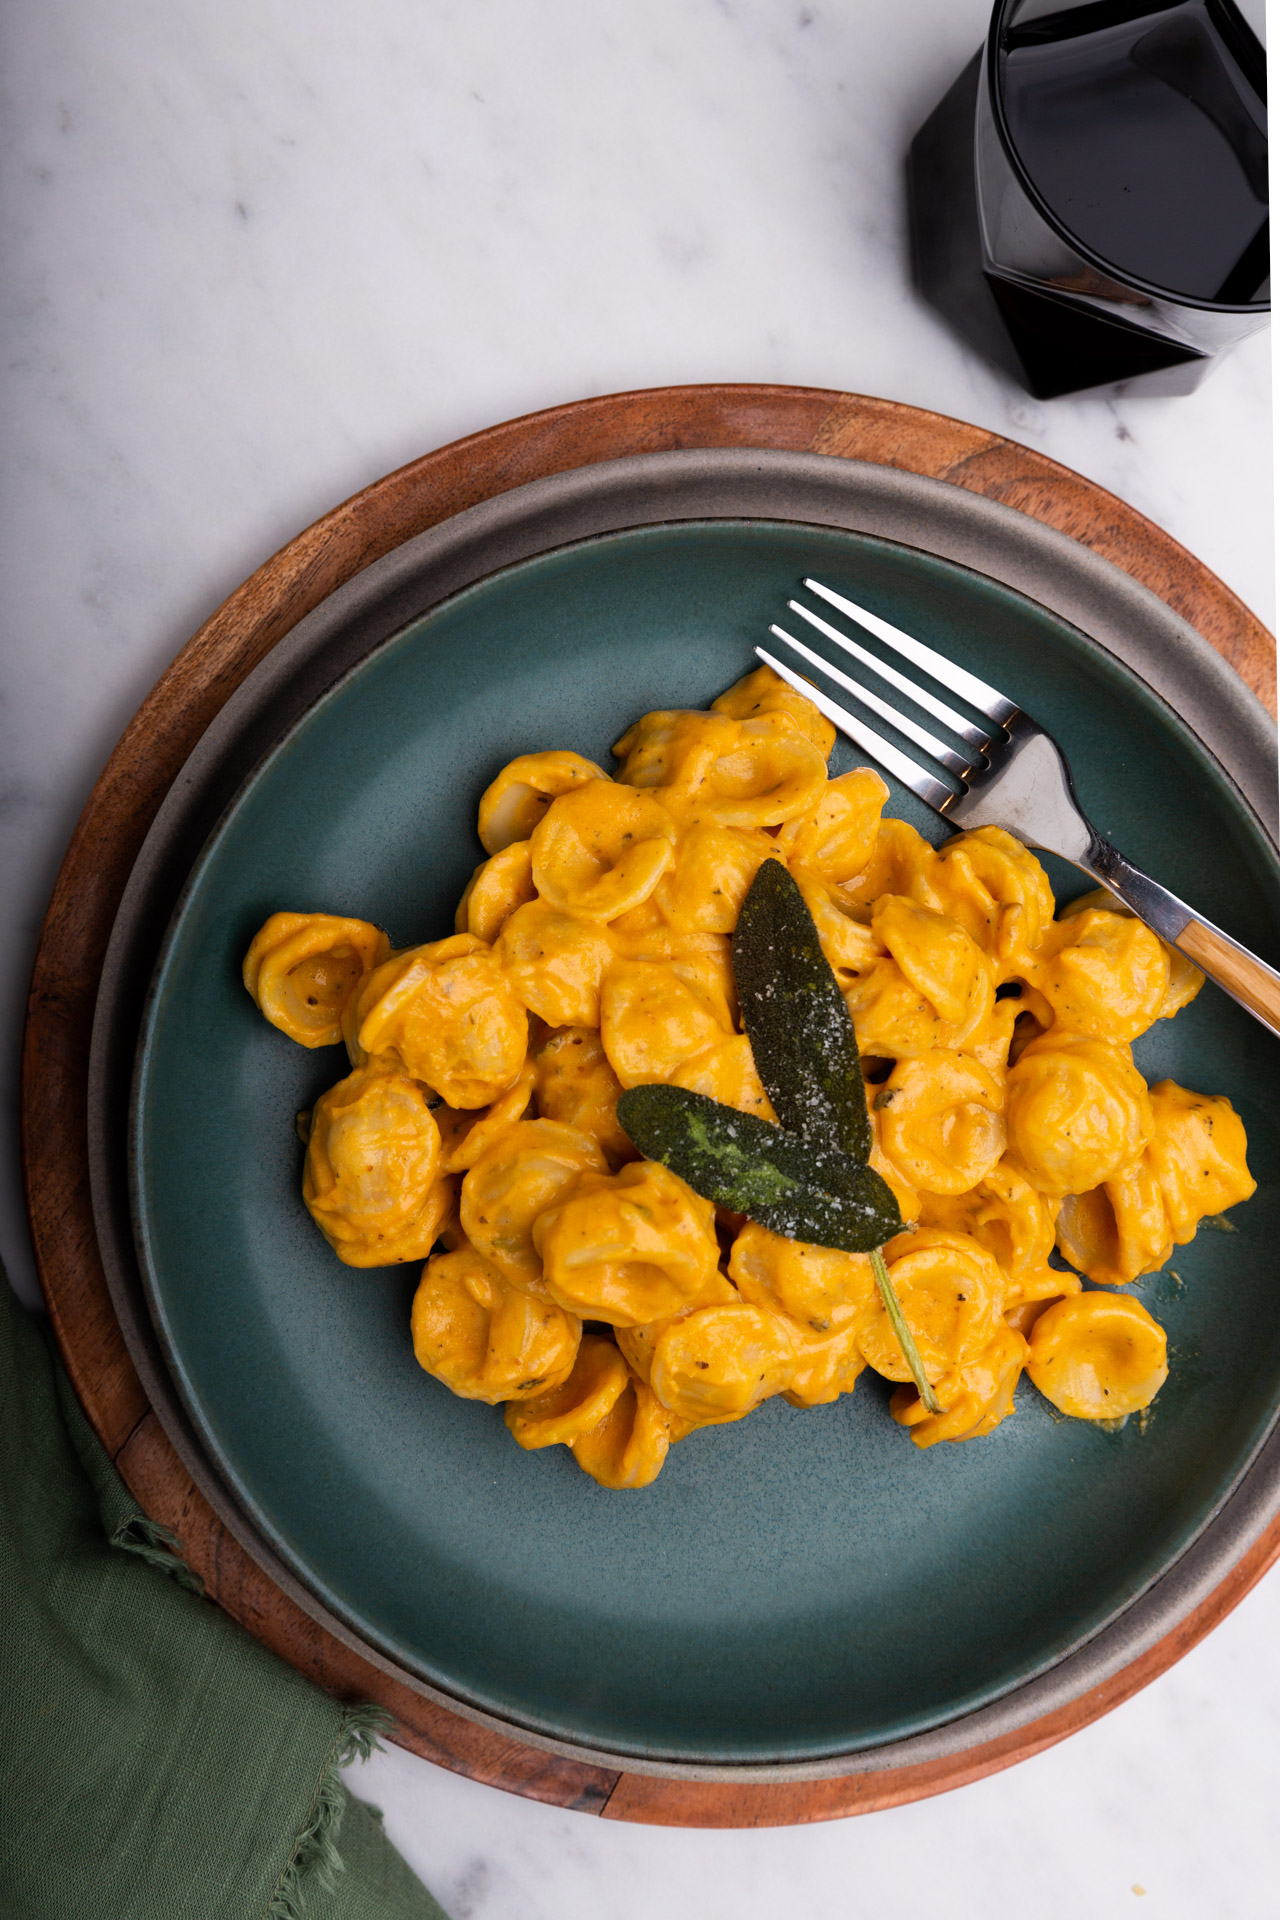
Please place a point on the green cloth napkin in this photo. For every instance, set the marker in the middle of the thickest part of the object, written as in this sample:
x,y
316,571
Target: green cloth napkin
x,y
159,1764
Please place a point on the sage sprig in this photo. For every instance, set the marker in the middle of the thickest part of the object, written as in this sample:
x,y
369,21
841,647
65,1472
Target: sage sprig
x,y
750,1166
802,1038
807,1178
903,1333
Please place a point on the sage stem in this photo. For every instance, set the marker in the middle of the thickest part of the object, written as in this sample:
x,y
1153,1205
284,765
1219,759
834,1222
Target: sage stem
x,y
897,1320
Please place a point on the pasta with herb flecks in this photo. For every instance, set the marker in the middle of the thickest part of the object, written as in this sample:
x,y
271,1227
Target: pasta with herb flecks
x,y
610,1305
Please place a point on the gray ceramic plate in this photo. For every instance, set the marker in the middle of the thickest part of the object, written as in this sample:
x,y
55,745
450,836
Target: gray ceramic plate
x,y
802,1587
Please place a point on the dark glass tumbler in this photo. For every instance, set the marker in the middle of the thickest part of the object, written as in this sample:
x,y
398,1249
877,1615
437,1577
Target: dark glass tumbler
x,y
1089,201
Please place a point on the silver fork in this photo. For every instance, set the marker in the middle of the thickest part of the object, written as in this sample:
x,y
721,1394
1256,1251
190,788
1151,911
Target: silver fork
x,y
1013,775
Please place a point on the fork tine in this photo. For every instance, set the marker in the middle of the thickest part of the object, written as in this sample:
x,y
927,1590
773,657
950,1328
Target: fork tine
x,y
955,762
933,792
920,695
987,699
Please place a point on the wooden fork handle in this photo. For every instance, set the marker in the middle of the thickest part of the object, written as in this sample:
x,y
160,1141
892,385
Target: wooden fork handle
x,y
1240,973
1248,980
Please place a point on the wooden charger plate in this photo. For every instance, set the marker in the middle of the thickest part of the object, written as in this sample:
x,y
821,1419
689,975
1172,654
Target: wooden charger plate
x,y
98,866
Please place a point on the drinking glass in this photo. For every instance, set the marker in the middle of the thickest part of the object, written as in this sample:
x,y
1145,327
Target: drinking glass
x,y
1089,201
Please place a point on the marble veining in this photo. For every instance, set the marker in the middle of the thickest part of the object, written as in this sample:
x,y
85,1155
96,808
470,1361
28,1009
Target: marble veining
x,y
260,252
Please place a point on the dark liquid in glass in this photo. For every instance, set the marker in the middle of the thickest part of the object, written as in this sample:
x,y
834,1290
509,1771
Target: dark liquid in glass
x,y
1143,129
1089,201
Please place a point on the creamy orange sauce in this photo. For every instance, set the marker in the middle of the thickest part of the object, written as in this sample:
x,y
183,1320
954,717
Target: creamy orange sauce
x,y
477,1129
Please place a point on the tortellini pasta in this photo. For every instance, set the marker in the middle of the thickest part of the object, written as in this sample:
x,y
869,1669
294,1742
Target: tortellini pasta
x,y
850,948
951,1293
835,839
574,1082
372,1179
656,1016
498,886
901,863
1185,978
466,1132
302,969
940,960
707,882
815,1286
1119,1230
740,773
940,1122
998,891
478,1131
630,1247
578,1404
973,1399
823,1297
513,804
1103,974
763,695
511,1186
447,1016
1032,1291
627,1448
1077,1110
601,849
486,1339
555,962
1193,1165
726,1072
827,1363
715,1364
1098,1356
1004,1212
673,751
930,986
1197,1154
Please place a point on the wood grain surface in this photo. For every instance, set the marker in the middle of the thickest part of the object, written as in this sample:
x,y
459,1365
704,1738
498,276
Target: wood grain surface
x,y
102,852
1254,985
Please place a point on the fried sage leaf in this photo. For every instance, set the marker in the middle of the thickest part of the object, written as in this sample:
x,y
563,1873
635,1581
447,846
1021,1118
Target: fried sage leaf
x,y
794,1187
801,1032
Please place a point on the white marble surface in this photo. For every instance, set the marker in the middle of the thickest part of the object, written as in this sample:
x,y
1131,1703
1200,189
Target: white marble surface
x,y
259,252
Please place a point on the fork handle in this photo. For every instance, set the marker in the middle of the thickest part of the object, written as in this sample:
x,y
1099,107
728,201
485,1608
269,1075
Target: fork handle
x,y
1240,973
1248,980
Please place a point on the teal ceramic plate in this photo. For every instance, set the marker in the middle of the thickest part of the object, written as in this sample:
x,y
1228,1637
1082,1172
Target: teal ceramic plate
x,y
799,1585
